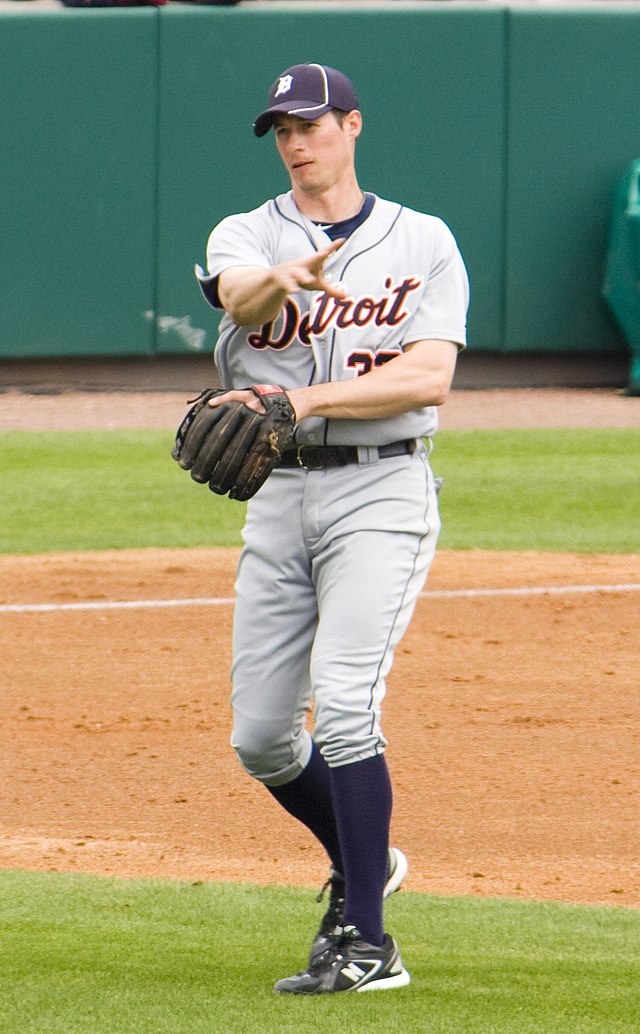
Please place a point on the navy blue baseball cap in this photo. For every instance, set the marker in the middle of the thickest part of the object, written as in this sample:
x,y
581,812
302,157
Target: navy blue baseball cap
x,y
307,91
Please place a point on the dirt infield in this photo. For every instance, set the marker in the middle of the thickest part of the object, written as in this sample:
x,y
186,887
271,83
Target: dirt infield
x,y
512,717
493,408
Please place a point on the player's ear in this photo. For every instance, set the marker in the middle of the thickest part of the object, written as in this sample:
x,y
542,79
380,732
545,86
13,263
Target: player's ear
x,y
353,123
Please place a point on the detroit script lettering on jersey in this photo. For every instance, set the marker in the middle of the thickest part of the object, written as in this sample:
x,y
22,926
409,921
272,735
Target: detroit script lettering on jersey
x,y
406,283
388,310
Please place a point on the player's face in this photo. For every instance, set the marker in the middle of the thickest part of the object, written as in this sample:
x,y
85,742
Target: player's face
x,y
319,153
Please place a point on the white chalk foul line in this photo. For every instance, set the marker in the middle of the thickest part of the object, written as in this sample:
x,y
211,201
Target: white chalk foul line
x,y
533,590
44,608
225,601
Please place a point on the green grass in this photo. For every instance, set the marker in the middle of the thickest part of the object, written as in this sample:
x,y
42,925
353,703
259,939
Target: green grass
x,y
105,490
566,490
83,955
88,955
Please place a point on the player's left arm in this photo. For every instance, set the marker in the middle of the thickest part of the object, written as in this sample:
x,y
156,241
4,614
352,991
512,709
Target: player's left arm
x,y
419,376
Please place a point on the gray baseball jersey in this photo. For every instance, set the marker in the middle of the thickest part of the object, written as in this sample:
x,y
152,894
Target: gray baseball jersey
x,y
333,559
406,282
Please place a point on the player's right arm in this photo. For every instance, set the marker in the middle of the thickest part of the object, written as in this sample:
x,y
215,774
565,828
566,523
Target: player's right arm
x,y
252,295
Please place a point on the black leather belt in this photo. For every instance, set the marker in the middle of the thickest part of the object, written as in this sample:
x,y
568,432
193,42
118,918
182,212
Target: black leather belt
x,y
316,457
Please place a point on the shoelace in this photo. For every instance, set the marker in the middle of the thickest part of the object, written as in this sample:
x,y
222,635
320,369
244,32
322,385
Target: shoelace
x,y
334,952
329,956
327,883
335,894
335,908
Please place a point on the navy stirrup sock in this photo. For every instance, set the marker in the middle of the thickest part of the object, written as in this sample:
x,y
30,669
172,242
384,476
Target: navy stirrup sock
x,y
362,798
348,809
308,798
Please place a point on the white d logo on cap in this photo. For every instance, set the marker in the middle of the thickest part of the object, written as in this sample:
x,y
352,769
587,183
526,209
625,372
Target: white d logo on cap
x,y
284,85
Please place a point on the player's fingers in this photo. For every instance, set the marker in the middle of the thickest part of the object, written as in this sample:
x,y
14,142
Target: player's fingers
x,y
335,245
222,400
314,280
292,277
300,276
324,281
308,274
317,261
324,253
334,290
247,398
319,281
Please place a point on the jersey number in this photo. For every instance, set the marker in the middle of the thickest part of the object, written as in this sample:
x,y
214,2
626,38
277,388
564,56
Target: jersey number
x,y
364,361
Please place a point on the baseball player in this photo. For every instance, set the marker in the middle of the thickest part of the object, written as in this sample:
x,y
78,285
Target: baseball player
x,y
355,308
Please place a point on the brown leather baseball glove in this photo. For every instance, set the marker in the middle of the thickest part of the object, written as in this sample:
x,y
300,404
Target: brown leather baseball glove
x,y
232,447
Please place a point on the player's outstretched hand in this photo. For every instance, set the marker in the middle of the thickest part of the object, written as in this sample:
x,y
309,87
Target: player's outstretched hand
x,y
252,295
308,273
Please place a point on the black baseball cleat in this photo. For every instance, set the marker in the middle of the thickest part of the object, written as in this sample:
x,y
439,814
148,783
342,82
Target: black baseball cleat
x,y
350,964
333,919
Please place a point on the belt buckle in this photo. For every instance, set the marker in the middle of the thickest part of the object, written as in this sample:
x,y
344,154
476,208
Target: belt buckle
x,y
308,464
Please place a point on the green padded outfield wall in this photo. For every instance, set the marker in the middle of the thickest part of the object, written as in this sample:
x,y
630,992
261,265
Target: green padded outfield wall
x,y
126,134
574,127
431,85
78,106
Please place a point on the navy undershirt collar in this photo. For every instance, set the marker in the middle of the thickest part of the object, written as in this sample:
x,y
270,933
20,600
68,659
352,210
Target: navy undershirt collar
x,y
347,226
